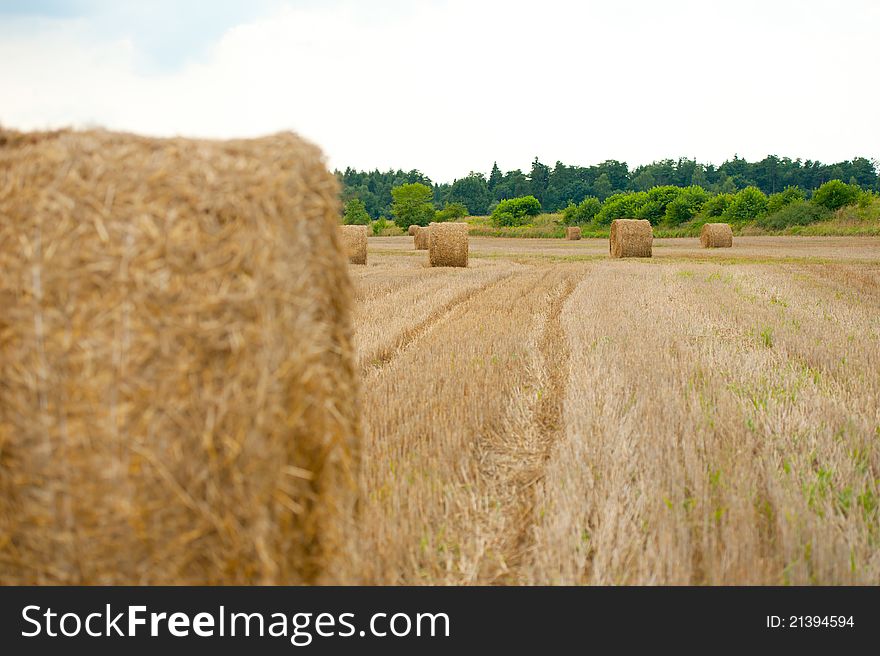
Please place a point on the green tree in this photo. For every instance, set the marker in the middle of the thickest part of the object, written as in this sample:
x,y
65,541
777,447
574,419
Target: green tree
x,y
658,198
717,204
583,212
617,172
513,185
686,205
355,213
644,181
515,211
451,211
835,194
602,188
539,180
624,205
472,192
748,204
785,197
494,177
412,205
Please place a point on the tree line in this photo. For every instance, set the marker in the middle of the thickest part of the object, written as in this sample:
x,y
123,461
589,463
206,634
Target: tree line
x,y
559,186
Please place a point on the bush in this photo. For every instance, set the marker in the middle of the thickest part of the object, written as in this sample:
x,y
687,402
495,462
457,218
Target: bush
x,y
583,212
355,213
451,211
658,198
798,213
716,205
786,197
748,204
686,205
412,205
515,211
624,205
379,225
835,194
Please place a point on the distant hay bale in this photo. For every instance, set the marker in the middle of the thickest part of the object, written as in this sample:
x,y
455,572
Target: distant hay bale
x,y
448,245
354,242
422,238
631,238
573,233
716,235
412,230
177,385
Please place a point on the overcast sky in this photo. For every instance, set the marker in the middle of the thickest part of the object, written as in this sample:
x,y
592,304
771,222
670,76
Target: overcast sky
x,y
448,86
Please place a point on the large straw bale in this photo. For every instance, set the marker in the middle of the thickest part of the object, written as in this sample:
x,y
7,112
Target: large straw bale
x,y
354,242
177,386
412,230
716,235
421,239
573,233
631,238
448,245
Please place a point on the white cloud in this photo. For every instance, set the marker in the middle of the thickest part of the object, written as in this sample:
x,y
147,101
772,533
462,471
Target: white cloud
x,y
449,86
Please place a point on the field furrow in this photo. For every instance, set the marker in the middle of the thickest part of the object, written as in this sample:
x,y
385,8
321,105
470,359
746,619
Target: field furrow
x,y
451,436
550,416
388,321
523,458
700,448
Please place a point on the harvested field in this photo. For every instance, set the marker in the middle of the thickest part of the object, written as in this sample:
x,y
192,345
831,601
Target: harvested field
x,y
552,416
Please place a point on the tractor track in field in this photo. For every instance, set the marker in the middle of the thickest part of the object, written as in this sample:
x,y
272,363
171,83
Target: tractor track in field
x,y
523,454
409,336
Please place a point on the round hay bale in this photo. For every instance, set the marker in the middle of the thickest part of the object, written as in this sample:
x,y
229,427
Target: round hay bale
x,y
412,230
178,401
448,245
354,242
716,235
573,233
422,237
631,238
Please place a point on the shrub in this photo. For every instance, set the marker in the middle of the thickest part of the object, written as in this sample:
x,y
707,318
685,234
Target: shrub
x,y
798,213
658,198
716,205
748,204
786,197
835,194
412,205
515,211
379,225
355,213
686,205
625,205
583,212
451,211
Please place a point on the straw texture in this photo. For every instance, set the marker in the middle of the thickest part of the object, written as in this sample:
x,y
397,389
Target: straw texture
x,y
421,239
448,245
354,242
412,230
177,387
716,235
573,233
631,238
